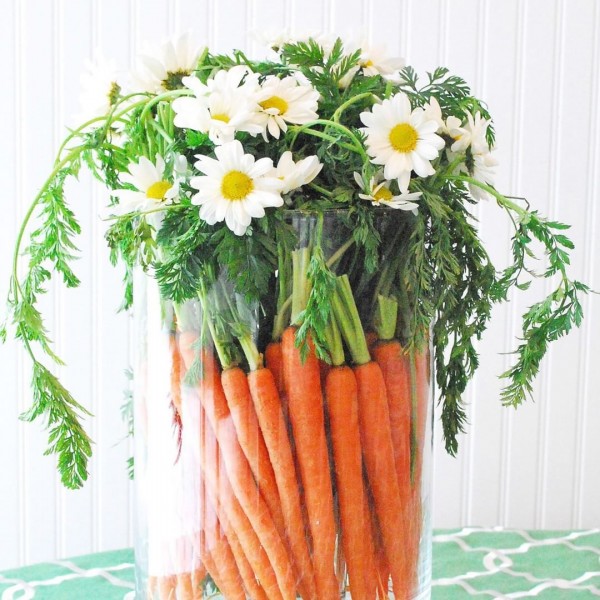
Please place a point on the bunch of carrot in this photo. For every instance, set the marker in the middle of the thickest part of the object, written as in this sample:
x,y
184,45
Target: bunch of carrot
x,y
309,472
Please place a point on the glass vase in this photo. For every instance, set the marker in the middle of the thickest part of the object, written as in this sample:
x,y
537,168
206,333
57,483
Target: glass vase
x,y
274,464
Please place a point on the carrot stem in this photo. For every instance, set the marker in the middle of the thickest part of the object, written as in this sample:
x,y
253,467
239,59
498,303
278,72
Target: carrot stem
x,y
334,343
301,284
386,317
348,319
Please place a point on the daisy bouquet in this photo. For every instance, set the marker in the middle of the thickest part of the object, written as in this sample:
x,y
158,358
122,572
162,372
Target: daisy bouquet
x,y
297,238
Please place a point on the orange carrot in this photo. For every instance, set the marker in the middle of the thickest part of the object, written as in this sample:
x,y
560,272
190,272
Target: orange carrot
x,y
239,400
305,403
422,391
342,405
166,587
227,575
229,506
184,590
251,584
186,342
396,374
274,430
176,371
378,452
152,585
242,481
198,576
274,362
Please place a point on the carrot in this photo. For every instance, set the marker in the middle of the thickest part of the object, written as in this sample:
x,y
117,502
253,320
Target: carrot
x,y
239,401
305,403
242,480
249,580
342,405
264,393
381,575
186,341
152,586
230,507
422,391
396,374
198,576
176,371
184,590
226,575
378,452
274,362
166,587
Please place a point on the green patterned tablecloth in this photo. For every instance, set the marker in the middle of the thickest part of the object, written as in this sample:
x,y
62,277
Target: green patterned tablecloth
x,y
471,562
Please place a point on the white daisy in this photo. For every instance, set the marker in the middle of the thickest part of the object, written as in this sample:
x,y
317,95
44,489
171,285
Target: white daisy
x,y
100,89
472,133
163,69
151,187
483,169
294,175
285,101
379,193
451,126
401,139
235,187
222,106
374,60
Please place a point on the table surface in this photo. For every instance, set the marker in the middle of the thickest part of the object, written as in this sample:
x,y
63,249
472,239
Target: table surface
x,y
467,563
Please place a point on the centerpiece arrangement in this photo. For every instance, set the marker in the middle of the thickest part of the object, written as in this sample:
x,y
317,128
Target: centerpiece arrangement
x,y
299,248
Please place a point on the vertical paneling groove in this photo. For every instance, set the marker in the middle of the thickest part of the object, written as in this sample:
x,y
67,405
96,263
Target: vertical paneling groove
x,y
406,38
367,10
212,23
19,174
479,90
443,36
515,183
554,175
589,241
57,82
94,388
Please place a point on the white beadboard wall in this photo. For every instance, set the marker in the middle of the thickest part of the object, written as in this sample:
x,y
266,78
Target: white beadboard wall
x,y
536,62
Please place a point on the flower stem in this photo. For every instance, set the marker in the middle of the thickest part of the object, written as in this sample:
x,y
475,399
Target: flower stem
x,y
320,189
342,107
502,200
337,255
356,146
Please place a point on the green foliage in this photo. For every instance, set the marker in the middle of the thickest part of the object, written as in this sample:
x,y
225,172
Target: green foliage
x,y
62,414
432,263
548,319
314,319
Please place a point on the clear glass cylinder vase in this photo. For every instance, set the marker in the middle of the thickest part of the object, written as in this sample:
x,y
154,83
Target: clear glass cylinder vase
x,y
269,464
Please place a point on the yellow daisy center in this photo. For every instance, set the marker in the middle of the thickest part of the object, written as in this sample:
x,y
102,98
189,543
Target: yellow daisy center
x,y
221,117
367,63
383,193
404,137
158,190
275,102
236,185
